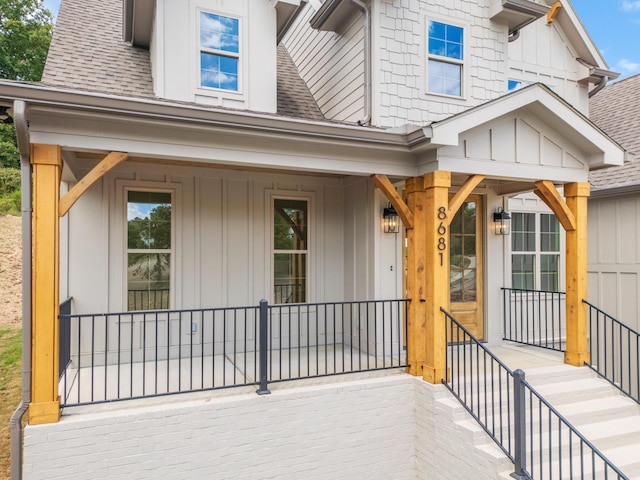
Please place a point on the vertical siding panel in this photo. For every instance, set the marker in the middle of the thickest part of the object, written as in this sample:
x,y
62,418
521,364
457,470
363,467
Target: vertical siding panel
x,y
237,236
211,252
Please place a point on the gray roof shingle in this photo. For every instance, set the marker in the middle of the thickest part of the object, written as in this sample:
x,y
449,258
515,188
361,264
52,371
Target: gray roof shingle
x,y
616,110
88,53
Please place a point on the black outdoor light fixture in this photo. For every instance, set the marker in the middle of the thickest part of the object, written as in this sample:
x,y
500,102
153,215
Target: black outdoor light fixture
x,y
390,219
502,222
4,115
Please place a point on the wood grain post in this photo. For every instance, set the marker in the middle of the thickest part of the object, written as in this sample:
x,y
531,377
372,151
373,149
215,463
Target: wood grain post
x,y
47,169
577,351
416,198
436,246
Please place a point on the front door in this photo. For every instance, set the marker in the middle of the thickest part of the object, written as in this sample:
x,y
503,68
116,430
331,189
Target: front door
x,y
466,266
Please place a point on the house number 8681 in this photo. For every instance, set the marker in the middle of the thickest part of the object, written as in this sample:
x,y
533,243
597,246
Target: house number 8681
x,y
442,230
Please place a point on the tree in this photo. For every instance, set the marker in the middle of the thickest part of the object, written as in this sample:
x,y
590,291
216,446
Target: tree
x,y
25,34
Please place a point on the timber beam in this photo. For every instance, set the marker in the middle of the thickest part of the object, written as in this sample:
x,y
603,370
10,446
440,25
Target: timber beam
x,y
96,173
461,195
548,193
389,191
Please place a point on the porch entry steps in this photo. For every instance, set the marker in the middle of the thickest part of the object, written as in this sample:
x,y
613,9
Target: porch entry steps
x,y
608,419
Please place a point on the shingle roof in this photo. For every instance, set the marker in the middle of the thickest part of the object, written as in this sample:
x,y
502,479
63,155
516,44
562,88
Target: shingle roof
x,y
294,97
616,110
87,53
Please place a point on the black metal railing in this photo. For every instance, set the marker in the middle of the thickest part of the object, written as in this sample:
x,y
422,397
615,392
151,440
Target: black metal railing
x,y
118,356
535,317
64,338
615,351
540,442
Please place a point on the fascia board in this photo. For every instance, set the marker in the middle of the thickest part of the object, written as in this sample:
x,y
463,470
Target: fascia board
x,y
539,101
152,110
579,36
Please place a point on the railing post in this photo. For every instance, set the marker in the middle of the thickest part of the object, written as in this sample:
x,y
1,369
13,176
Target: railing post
x,y
263,357
520,429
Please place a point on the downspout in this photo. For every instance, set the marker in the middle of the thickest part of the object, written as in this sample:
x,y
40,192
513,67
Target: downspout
x,y
601,84
367,62
15,424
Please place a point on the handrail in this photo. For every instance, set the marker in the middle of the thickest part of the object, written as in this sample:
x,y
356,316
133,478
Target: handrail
x,y
615,352
540,441
534,317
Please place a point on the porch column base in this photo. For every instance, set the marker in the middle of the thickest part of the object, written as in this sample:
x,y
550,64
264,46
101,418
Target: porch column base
x,y
44,412
414,369
435,376
577,359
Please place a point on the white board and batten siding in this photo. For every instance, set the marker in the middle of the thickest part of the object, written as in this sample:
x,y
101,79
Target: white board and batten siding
x,y
223,238
331,64
543,54
614,257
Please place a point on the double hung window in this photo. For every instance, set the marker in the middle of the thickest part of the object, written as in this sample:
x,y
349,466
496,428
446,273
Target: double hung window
x,y
445,58
219,51
290,250
535,251
149,250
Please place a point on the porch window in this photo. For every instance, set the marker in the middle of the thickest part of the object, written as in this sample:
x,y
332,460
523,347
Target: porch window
x,y
149,250
445,58
219,51
535,247
290,250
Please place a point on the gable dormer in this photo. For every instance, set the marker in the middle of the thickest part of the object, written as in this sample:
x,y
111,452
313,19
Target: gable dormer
x,y
213,52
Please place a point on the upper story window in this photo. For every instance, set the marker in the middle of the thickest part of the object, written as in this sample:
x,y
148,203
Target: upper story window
x,y
515,85
219,51
445,59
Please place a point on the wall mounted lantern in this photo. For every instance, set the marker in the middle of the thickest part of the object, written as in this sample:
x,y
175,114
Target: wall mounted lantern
x,y
501,222
390,220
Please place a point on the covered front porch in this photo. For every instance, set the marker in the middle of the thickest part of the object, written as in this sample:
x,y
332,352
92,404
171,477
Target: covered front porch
x,y
223,249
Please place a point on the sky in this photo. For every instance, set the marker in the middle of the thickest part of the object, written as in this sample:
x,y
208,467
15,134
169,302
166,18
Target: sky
x,y
614,26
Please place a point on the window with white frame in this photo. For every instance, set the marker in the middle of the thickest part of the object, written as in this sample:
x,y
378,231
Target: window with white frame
x,y
149,249
445,58
535,251
219,51
290,250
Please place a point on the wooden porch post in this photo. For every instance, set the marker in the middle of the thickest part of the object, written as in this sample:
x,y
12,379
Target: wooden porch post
x,y
47,169
416,321
577,351
436,293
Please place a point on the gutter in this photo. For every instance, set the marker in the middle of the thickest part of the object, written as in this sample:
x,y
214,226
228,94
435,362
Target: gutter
x,y
15,424
367,62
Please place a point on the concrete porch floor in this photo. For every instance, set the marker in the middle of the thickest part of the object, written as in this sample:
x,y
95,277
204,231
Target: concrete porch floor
x,y
144,381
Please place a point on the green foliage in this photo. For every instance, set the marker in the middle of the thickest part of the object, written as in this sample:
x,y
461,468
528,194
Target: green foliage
x,y
9,156
10,354
10,191
25,34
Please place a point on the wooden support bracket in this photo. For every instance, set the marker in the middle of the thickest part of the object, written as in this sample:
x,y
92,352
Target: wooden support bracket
x,y
386,187
106,164
553,11
461,195
552,198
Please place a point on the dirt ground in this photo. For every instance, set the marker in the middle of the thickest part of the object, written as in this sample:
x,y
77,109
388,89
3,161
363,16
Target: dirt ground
x,y
10,323
10,271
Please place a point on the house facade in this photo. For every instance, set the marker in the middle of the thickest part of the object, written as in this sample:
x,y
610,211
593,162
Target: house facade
x,y
208,154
